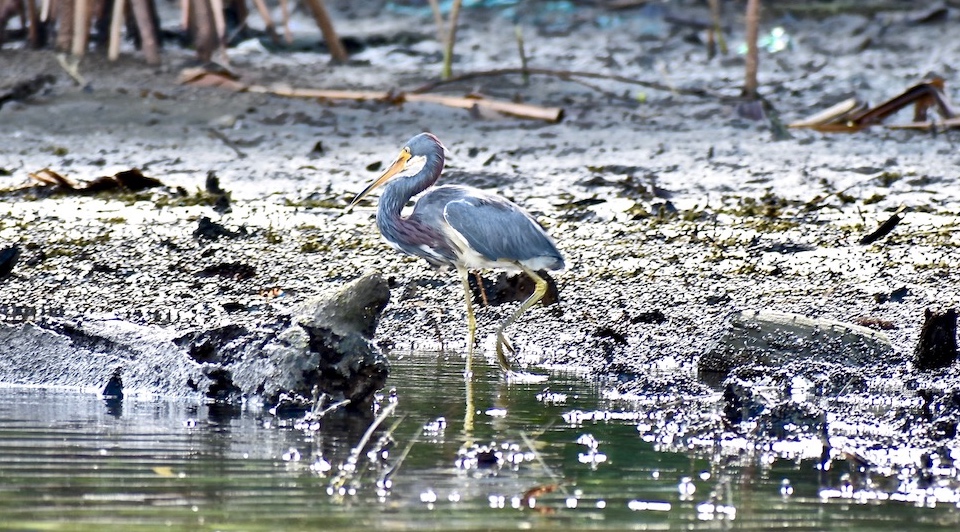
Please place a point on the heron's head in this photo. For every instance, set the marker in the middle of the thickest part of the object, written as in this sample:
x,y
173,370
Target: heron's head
x,y
413,158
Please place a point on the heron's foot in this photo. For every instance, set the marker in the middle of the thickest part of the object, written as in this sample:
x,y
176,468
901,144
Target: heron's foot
x,y
503,341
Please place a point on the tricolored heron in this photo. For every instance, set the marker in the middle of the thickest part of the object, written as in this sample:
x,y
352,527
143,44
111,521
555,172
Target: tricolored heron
x,y
460,226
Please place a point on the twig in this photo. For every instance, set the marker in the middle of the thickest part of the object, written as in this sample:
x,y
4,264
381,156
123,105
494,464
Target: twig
x,y
752,59
553,476
403,455
230,144
562,74
523,56
437,19
549,114
285,13
715,36
322,17
267,21
852,115
331,408
350,466
884,228
451,40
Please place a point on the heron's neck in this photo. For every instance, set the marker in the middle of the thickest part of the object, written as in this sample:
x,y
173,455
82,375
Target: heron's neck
x,y
398,192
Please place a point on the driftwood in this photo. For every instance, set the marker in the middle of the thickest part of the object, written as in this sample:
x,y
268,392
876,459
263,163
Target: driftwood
x,y
853,115
885,228
753,58
199,76
562,74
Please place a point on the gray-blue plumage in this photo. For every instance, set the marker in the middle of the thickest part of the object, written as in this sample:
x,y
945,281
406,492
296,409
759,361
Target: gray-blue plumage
x,y
454,224
462,227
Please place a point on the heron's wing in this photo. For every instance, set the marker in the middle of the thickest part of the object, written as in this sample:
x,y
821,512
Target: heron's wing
x,y
500,230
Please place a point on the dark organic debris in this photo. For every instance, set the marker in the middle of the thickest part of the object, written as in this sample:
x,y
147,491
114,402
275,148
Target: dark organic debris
x,y
612,334
8,259
131,180
211,230
937,347
895,296
773,339
230,270
876,323
650,317
212,186
884,228
26,89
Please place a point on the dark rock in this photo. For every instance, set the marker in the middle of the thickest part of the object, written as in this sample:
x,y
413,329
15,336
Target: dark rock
x,y
937,347
134,180
114,386
740,403
774,339
212,183
8,259
649,317
895,296
230,270
211,230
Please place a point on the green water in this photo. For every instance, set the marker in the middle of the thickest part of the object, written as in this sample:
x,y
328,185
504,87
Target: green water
x,y
68,461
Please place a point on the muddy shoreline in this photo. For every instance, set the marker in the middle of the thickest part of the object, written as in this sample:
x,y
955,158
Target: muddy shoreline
x,y
673,212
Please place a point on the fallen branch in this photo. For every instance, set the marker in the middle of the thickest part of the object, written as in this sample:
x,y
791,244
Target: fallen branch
x,y
884,229
196,76
852,115
562,74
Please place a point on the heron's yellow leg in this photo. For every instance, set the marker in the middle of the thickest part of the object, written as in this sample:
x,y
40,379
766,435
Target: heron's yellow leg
x,y
471,320
539,290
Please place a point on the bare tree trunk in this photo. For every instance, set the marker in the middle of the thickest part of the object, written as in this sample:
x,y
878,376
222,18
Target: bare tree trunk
x,y
33,30
753,60
81,27
116,20
204,34
148,33
322,17
65,25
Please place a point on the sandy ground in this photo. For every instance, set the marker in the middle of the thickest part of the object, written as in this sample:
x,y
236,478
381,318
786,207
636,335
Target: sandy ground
x,y
661,202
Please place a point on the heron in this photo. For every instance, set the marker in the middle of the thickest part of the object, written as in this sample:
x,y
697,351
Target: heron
x,y
461,227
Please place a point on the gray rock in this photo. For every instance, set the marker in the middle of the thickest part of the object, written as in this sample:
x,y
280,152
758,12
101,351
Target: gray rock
x,y
86,354
773,339
325,347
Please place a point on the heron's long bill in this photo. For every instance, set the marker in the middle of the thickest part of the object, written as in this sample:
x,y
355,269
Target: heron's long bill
x,y
393,170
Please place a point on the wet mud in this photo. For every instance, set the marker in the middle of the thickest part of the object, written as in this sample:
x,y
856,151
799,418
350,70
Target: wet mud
x,y
673,210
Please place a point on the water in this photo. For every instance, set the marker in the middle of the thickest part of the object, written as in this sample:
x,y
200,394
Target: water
x,y
70,461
